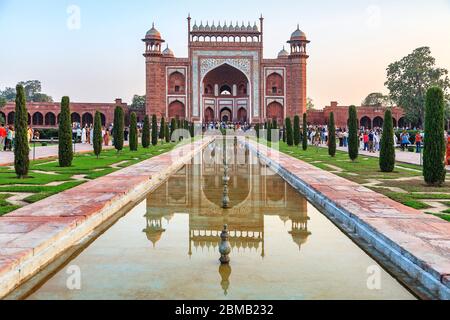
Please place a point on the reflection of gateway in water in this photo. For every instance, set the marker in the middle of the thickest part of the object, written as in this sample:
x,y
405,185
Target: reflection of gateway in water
x,y
254,192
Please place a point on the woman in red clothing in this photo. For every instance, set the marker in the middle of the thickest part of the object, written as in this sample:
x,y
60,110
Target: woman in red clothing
x,y
366,141
418,142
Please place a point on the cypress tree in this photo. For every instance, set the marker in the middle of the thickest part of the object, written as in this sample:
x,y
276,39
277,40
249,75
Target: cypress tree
x,y
173,127
154,130
274,124
162,128
146,132
434,143
387,152
192,130
269,132
65,149
284,134
133,132
119,128
353,140
296,130
289,133
21,147
98,139
332,136
167,133
257,130
305,132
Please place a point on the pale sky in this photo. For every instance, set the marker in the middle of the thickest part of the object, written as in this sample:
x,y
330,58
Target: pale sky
x,y
352,42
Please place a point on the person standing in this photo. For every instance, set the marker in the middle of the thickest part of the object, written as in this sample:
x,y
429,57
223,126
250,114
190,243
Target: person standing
x,y
10,139
79,133
2,137
366,141
376,141
91,135
418,142
345,135
83,135
405,140
126,134
29,134
106,137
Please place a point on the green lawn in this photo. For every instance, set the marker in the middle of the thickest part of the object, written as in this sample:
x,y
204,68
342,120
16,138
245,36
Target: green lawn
x,y
46,178
364,170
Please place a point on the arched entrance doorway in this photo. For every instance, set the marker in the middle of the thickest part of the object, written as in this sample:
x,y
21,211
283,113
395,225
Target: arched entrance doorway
x,y
226,115
11,117
402,123
242,115
225,85
50,119
378,122
209,115
366,123
38,119
88,119
275,112
177,110
76,118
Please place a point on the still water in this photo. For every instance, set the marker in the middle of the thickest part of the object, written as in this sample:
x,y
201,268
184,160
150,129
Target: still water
x,y
167,246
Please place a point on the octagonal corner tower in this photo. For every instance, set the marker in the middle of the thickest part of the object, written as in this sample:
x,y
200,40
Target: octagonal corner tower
x,y
225,77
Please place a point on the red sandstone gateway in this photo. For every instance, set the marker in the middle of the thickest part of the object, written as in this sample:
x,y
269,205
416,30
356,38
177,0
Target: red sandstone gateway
x,y
225,76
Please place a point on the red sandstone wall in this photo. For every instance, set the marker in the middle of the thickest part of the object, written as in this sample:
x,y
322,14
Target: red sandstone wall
x,y
320,117
107,109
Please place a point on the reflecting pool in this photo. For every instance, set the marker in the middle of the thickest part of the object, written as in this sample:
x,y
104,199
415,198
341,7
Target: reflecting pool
x,y
167,246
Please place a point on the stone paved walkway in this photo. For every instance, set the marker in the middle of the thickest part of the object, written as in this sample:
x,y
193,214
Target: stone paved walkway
x,y
7,158
33,236
401,156
422,239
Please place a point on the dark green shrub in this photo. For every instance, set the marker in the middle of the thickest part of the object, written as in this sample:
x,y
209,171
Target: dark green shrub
x,y
146,132
167,133
331,136
289,133
353,139
134,139
162,129
65,150
305,132
154,130
21,147
98,139
119,128
296,130
387,152
434,144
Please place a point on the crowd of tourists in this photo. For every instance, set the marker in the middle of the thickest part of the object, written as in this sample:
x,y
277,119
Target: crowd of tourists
x,y
8,135
236,126
369,139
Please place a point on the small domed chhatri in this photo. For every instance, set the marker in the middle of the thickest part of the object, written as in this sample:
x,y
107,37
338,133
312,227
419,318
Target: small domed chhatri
x,y
283,54
153,33
168,52
298,34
